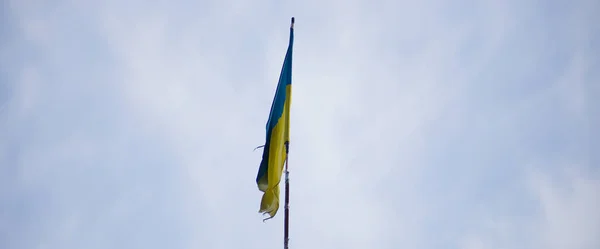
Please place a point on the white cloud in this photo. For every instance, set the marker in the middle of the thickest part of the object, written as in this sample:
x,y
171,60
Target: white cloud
x,y
568,211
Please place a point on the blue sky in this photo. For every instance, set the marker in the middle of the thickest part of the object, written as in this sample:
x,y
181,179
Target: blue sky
x,y
429,124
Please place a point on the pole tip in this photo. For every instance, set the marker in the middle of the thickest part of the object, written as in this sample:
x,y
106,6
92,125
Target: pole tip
x,y
293,19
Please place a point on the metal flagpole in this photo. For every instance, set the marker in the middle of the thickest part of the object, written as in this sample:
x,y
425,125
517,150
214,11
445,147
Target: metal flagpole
x,y
286,219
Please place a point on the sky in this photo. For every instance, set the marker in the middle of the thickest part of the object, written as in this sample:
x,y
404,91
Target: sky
x,y
414,124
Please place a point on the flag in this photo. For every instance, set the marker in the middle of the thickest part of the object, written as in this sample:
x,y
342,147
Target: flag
x,y
278,137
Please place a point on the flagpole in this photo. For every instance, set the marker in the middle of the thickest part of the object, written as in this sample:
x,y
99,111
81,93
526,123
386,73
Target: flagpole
x,y
286,219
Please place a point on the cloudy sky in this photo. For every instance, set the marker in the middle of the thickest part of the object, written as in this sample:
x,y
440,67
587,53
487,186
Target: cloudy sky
x,y
415,124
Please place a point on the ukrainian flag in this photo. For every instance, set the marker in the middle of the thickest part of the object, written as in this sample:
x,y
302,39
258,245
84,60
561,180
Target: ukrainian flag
x,y
278,137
